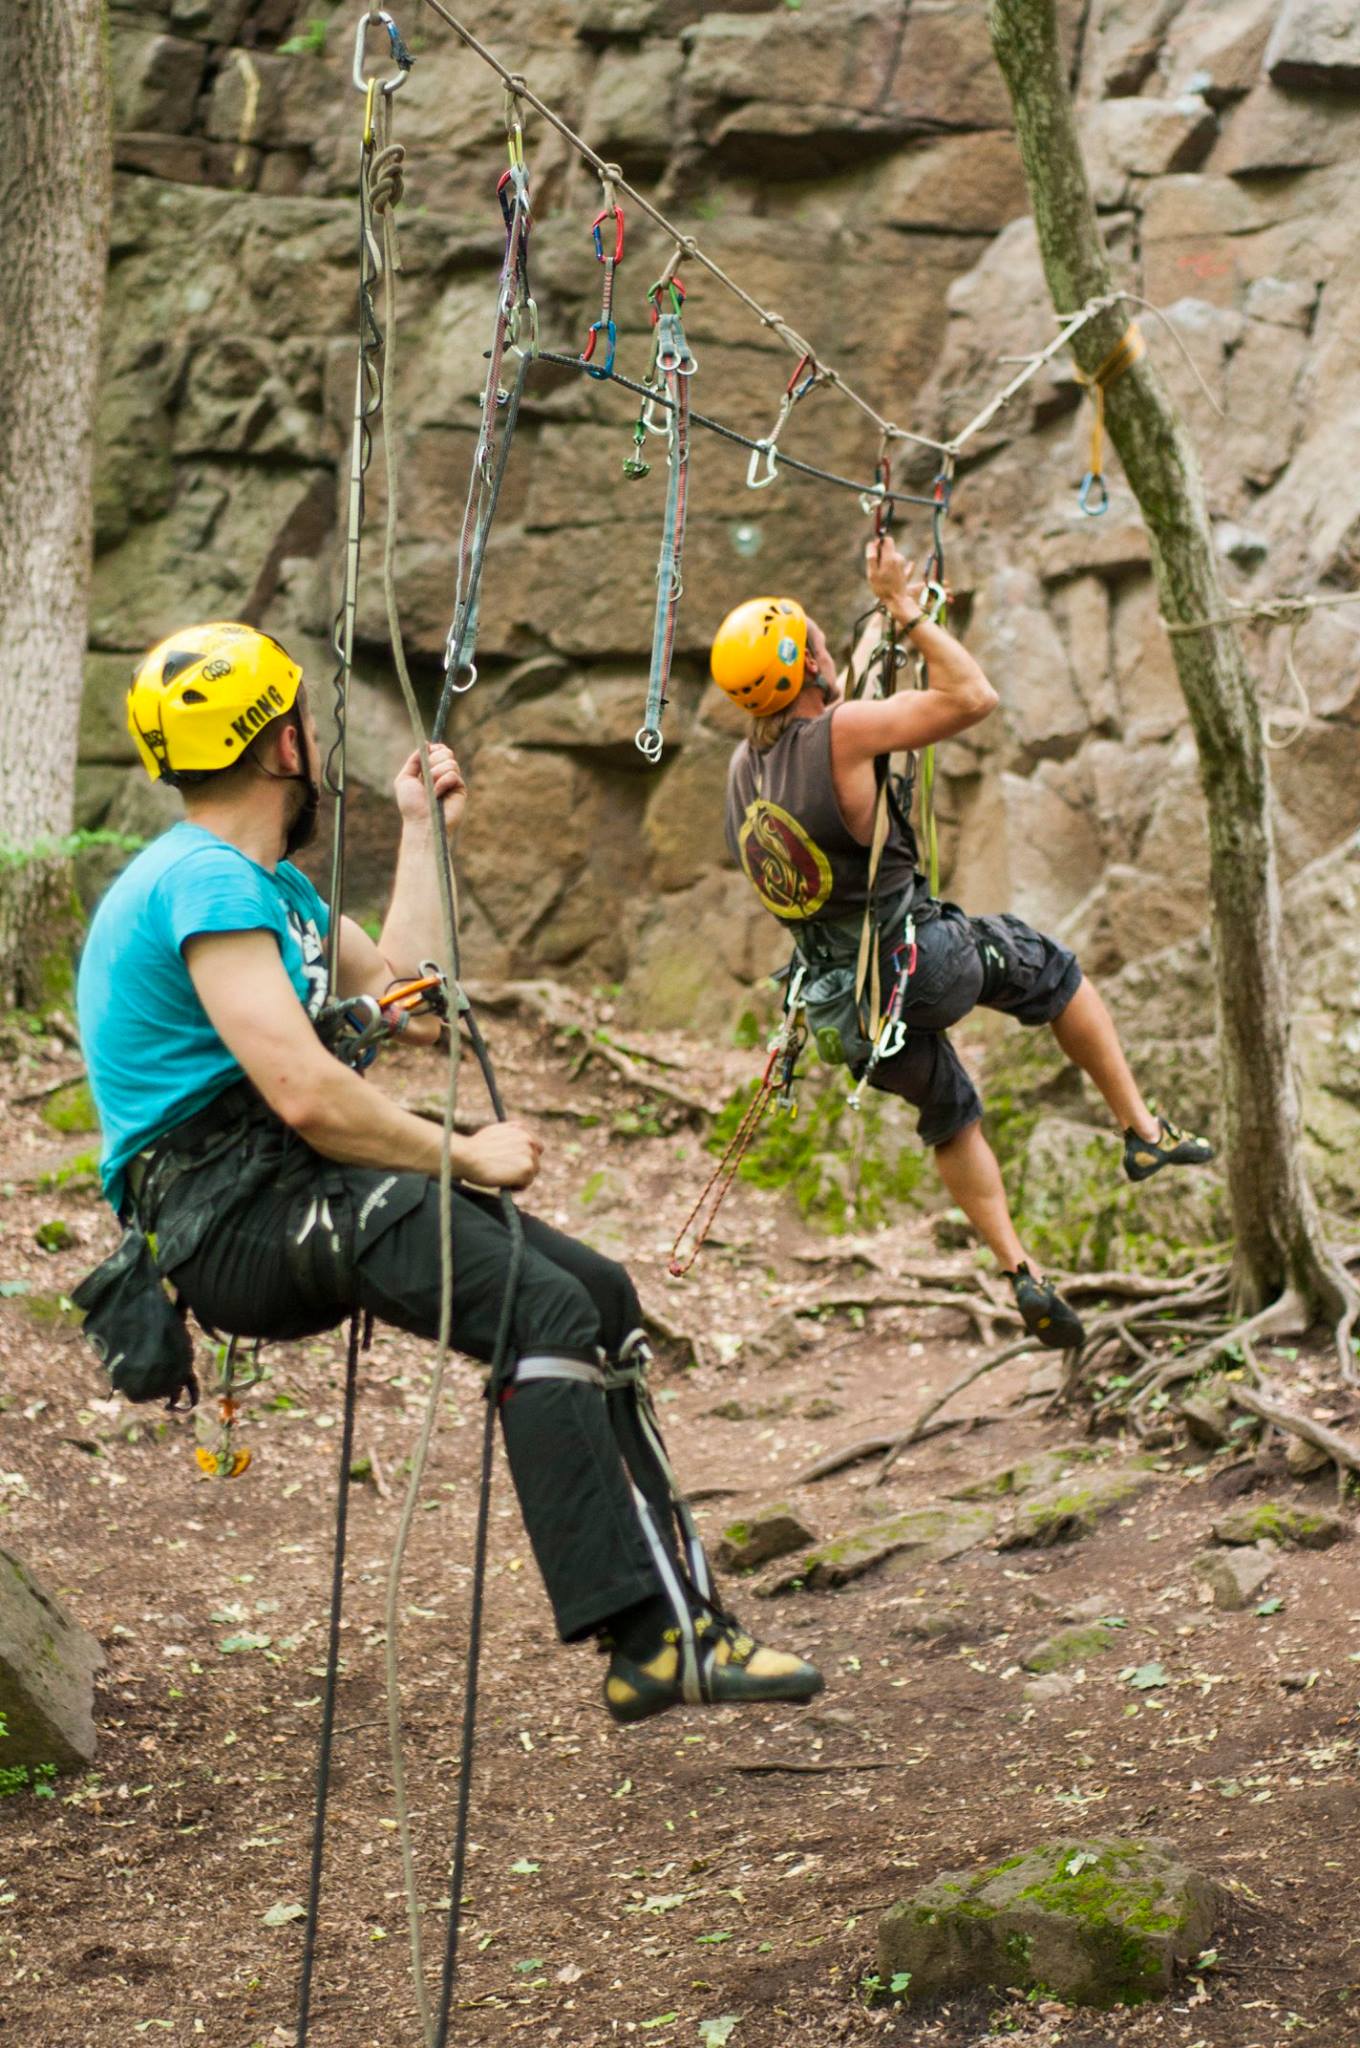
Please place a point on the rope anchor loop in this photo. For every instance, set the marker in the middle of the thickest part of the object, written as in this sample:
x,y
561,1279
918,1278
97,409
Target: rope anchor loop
x,y
1093,495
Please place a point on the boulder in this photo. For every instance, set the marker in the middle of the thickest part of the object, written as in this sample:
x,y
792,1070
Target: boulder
x,y
1028,1475
1316,43
48,1665
1282,1522
1100,1921
928,1535
763,1536
1210,1414
1234,1577
1215,47
1071,1646
1288,131
1145,138
1075,1507
967,184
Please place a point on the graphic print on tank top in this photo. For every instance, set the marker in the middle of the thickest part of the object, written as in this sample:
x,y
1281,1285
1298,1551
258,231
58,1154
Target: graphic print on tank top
x,y
788,870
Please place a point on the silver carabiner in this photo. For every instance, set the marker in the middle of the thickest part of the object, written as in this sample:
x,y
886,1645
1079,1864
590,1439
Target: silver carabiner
x,y
376,17
459,689
770,451
649,743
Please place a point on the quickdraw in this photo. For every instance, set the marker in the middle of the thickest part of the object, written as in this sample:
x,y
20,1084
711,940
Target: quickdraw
x,y
767,451
611,259
217,1452
516,325
380,181
935,605
673,364
1093,496
892,1033
775,1085
879,501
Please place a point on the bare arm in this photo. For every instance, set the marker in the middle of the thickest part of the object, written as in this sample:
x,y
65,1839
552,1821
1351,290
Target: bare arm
x,y
244,988
957,693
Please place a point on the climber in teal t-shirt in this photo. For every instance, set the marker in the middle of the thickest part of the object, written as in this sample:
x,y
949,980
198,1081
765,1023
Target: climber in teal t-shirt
x,y
135,991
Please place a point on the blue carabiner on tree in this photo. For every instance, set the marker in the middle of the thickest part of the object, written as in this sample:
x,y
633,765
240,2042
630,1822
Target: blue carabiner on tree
x,y
1092,482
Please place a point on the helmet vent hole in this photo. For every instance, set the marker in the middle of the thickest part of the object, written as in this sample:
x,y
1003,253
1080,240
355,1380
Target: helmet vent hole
x,y
192,697
177,659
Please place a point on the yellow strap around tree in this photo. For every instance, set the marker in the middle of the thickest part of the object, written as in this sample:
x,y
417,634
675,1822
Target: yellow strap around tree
x,y
1126,352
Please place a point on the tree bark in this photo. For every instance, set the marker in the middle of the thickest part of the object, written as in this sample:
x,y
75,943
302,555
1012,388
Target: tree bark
x,y
55,184
1277,1230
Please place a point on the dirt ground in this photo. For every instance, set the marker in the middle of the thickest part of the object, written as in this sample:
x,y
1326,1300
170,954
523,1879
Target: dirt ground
x,y
630,1884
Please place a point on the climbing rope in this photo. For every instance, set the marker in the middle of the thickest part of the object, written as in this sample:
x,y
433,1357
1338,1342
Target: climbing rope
x,y
1275,611
776,1080
673,364
516,326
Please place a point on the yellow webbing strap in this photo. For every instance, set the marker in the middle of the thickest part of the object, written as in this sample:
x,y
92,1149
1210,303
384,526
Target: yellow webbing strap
x,y
1126,352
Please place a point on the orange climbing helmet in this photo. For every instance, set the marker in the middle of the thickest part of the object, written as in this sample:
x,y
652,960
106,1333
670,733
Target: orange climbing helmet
x,y
759,653
199,698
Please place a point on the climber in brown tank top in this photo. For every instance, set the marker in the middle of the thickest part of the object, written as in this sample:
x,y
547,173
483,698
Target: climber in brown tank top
x,y
802,794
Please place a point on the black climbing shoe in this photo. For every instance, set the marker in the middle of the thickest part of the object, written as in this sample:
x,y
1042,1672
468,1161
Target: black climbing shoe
x,y
1044,1313
728,1668
1145,1156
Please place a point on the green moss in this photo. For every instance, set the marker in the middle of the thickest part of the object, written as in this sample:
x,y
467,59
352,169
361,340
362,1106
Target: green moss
x,y
737,1534
71,1109
592,1187
1071,1646
843,1167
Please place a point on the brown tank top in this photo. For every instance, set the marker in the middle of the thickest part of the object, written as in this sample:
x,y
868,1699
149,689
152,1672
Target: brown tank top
x,y
785,830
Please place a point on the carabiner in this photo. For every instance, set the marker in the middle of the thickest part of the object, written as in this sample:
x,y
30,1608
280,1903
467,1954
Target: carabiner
x,y
1091,483
595,227
611,337
649,743
770,451
401,56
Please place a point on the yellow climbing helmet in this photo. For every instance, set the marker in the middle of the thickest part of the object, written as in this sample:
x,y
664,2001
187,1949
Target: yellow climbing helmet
x,y
199,698
759,652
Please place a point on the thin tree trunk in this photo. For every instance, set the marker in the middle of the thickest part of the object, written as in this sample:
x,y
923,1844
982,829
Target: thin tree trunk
x,y
55,181
1277,1229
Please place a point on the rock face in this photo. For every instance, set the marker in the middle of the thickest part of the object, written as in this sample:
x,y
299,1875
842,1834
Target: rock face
x,y
47,1671
1102,1922
1222,140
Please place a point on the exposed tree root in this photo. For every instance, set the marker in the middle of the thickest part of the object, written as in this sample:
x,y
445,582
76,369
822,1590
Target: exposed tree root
x,y
874,1446
984,1313
548,1004
1264,1402
956,1386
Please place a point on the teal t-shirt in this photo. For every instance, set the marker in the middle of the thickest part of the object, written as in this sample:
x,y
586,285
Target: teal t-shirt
x,y
152,1054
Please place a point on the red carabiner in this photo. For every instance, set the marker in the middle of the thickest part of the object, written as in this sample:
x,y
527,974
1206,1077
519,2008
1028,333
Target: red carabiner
x,y
677,292
598,223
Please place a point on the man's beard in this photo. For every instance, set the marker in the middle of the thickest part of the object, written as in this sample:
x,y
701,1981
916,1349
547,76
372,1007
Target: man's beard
x,y
302,830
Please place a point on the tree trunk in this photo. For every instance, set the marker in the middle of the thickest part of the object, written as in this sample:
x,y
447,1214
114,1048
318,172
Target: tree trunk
x,y
1278,1234
55,182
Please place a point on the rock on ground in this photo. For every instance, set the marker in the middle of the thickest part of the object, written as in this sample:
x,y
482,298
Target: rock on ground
x,y
768,1533
928,1534
47,1670
1075,1506
1234,1577
1102,1921
1280,1521
1071,1646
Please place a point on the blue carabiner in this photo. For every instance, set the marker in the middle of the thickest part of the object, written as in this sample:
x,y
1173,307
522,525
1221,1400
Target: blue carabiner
x,y
610,333
1091,483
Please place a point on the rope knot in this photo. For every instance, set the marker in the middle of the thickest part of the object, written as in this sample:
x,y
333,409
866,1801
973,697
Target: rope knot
x,y
387,178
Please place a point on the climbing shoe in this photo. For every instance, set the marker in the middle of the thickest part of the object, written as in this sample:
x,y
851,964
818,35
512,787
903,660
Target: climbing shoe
x,y
728,1668
1044,1313
1145,1156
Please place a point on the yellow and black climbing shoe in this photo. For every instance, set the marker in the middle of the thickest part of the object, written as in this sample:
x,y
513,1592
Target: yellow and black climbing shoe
x,y
712,1663
1044,1313
1145,1156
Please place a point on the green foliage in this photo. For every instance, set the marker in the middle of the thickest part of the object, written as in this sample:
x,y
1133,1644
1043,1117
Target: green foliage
x,y
311,42
843,1167
43,850
76,1172
746,1031
71,1109
15,1778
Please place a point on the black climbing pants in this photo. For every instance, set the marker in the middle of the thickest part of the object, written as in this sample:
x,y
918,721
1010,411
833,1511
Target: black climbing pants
x,y
318,1241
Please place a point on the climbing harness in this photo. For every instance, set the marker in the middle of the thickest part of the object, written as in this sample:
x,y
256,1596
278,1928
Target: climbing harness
x,y
611,259
766,452
516,327
891,1034
775,1084
673,364
217,1452
1092,495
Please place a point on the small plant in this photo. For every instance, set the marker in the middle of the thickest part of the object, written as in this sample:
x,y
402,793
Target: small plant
x,y
310,43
